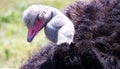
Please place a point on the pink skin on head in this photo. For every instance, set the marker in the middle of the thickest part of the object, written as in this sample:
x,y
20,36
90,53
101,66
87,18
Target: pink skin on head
x,y
32,31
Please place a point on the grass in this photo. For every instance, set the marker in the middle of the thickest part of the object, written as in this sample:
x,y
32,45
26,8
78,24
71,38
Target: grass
x,y
14,49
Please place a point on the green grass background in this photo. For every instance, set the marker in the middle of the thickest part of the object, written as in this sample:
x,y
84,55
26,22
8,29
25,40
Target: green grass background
x,y
14,49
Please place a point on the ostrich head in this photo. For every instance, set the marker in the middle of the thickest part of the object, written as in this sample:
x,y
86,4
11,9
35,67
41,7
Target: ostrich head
x,y
35,18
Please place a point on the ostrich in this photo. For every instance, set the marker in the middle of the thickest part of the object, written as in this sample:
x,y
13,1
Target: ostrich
x,y
58,28
96,40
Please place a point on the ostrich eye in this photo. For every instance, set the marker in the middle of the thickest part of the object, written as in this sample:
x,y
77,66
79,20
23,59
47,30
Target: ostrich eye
x,y
44,12
40,16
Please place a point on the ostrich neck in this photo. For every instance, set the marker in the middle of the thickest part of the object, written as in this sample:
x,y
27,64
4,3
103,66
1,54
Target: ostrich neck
x,y
50,31
59,29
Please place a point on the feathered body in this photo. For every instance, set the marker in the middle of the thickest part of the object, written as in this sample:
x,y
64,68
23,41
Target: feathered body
x,y
96,43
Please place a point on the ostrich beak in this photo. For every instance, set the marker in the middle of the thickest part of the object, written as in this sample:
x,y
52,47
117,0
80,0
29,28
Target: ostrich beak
x,y
32,31
31,34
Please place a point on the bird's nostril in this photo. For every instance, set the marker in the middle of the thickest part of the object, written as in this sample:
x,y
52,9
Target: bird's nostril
x,y
32,31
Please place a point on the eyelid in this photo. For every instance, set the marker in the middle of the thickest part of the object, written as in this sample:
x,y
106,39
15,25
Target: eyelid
x,y
44,12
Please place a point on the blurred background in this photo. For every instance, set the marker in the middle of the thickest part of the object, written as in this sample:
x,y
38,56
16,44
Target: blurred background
x,y
14,49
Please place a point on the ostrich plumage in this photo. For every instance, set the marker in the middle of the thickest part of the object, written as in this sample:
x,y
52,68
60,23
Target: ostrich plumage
x,y
96,40
58,28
